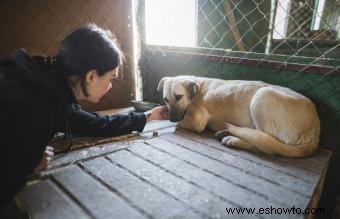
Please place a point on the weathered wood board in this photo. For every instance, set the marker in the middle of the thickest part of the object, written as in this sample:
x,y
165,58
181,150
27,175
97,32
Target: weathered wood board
x,y
173,174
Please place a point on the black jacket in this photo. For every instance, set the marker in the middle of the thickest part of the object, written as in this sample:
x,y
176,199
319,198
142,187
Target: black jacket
x,y
35,104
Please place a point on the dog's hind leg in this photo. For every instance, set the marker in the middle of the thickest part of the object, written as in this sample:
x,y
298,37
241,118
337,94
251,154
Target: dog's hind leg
x,y
285,116
236,138
232,141
267,143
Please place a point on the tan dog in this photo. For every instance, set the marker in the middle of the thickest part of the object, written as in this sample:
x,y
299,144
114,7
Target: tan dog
x,y
246,114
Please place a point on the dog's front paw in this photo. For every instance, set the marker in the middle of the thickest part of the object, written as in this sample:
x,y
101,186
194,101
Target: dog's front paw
x,y
229,141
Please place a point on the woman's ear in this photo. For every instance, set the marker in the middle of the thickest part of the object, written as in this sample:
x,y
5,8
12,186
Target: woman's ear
x,y
91,76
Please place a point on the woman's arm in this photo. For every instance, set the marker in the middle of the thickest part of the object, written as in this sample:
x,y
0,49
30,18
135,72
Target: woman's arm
x,y
92,124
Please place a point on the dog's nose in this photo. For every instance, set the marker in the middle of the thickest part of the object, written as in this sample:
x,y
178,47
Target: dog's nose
x,y
173,116
176,118
173,120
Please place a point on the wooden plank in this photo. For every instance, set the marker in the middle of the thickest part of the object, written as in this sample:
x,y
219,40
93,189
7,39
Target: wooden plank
x,y
189,193
318,162
158,124
141,194
258,158
46,200
157,132
62,145
176,175
73,157
94,196
295,184
311,163
277,194
313,203
219,187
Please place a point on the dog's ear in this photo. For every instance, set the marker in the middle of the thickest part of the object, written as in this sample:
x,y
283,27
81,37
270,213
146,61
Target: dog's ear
x,y
161,84
192,87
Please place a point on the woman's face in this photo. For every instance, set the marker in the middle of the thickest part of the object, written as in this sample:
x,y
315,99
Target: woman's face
x,y
97,86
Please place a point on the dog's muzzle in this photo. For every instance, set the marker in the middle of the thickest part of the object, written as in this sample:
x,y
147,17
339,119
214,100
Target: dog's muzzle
x,y
175,115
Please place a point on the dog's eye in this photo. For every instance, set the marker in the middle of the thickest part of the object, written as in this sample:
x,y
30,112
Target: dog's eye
x,y
178,97
166,99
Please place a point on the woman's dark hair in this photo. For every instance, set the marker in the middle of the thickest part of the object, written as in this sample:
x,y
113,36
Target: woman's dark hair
x,y
87,48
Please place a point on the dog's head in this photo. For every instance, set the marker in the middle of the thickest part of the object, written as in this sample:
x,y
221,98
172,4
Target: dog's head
x,y
178,93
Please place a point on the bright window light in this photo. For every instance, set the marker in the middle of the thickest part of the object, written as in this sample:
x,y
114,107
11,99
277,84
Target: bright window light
x,y
281,19
171,22
318,15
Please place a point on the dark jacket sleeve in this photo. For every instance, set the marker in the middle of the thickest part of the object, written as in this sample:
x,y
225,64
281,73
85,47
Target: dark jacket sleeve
x,y
84,123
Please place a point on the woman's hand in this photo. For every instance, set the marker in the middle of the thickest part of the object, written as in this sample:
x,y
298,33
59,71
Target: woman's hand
x,y
158,113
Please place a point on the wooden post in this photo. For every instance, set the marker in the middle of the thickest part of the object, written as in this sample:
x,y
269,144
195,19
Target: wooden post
x,y
234,29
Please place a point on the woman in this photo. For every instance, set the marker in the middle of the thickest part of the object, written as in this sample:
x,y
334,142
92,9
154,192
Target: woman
x,y
38,98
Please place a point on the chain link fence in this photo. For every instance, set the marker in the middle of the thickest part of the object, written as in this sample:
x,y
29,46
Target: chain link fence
x,y
302,36
297,31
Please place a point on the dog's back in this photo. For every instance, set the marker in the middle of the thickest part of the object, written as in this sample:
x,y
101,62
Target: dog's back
x,y
229,101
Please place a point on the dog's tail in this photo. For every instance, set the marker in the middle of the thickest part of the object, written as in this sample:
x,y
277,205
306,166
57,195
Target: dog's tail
x,y
268,144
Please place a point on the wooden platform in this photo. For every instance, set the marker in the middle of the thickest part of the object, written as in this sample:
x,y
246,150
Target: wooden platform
x,y
175,174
